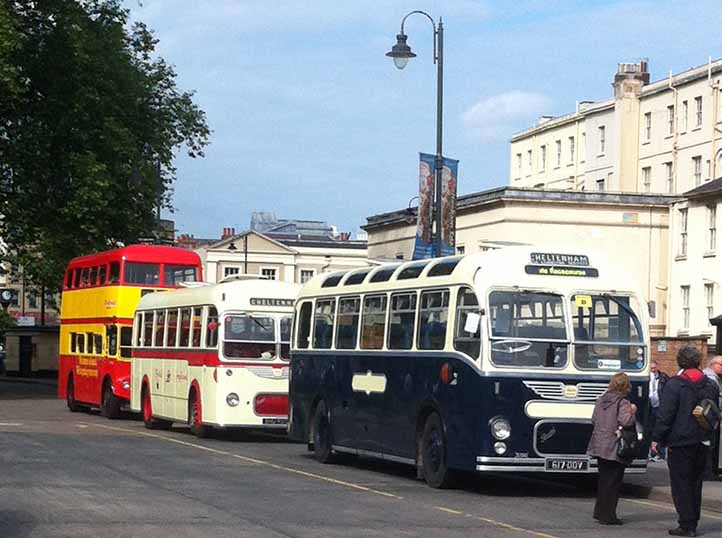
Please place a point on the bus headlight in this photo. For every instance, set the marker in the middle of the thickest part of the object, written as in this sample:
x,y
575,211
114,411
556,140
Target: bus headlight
x,y
500,429
499,448
232,399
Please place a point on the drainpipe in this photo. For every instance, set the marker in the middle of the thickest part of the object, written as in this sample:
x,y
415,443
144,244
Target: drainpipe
x,y
715,112
676,134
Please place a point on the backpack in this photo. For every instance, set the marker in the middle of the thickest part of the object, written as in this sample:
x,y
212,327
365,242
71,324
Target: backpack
x,y
706,412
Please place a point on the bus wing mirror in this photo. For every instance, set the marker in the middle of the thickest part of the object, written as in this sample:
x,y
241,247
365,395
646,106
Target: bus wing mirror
x,y
652,307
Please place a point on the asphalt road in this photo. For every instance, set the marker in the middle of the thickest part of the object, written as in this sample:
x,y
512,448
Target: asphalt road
x,y
78,474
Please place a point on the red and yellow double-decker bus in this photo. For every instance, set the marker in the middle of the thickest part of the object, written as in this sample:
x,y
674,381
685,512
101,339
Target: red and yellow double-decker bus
x,y
100,294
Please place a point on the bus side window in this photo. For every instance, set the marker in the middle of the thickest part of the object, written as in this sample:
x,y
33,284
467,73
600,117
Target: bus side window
x,y
111,335
102,274
172,330
84,277
185,329
402,320
73,342
467,337
196,327
148,328
98,342
373,322
212,327
159,328
81,343
126,339
76,279
93,278
138,329
114,275
433,319
347,325
323,323
304,326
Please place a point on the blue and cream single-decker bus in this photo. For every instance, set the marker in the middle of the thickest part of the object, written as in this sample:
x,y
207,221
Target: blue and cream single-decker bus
x,y
484,362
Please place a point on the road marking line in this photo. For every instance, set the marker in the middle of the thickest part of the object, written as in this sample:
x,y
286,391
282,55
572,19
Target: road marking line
x,y
449,510
323,478
670,507
10,424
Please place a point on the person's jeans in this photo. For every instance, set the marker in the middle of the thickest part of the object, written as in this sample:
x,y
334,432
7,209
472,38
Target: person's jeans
x,y
653,411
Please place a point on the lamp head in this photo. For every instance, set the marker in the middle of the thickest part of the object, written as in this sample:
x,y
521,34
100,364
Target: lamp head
x,y
401,52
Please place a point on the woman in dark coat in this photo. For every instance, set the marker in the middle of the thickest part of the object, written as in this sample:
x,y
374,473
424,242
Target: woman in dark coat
x,y
611,412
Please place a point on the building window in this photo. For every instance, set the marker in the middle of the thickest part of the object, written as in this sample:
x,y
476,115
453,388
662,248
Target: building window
x,y
683,232
670,119
571,149
648,126
543,159
709,300
602,139
711,227
647,178
698,108
685,115
708,170
668,177
32,299
559,152
268,273
460,249
518,165
685,306
231,271
583,148
697,167
600,184
306,275
530,161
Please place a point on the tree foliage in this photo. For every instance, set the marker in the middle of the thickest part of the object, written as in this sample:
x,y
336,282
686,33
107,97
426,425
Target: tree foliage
x,y
90,120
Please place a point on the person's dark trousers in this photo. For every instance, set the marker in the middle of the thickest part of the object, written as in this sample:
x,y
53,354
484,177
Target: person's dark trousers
x,y
651,421
686,473
611,475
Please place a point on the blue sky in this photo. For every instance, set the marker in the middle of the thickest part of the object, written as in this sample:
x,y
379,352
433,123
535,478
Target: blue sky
x,y
311,120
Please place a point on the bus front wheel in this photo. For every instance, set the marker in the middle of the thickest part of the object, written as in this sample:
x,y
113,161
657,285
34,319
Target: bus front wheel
x,y
322,441
195,416
433,453
109,403
73,406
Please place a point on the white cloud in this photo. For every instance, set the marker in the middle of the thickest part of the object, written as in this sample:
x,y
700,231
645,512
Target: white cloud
x,y
497,117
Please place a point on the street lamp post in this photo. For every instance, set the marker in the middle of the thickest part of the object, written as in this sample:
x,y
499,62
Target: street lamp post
x,y
401,54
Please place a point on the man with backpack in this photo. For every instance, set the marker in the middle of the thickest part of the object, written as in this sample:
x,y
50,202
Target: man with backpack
x,y
686,436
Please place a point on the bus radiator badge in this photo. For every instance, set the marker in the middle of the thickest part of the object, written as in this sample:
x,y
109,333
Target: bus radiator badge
x,y
570,391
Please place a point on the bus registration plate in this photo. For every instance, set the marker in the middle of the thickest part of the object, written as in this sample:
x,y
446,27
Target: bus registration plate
x,y
567,465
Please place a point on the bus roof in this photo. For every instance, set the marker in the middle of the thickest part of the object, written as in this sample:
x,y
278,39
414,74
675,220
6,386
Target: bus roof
x,y
509,266
139,253
258,294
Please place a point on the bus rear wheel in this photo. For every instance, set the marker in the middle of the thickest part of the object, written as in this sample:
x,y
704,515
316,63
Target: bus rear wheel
x,y
146,409
322,439
195,416
433,453
73,406
109,403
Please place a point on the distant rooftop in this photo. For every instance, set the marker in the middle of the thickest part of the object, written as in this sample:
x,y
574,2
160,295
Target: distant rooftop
x,y
268,223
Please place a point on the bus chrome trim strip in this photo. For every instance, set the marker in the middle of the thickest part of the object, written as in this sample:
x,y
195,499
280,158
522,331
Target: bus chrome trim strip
x,y
371,454
487,463
558,390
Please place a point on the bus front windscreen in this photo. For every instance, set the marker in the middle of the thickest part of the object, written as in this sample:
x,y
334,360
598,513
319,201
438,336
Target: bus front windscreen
x,y
607,332
249,337
528,329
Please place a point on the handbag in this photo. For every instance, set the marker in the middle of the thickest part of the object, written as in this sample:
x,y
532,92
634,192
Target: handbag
x,y
627,440
707,414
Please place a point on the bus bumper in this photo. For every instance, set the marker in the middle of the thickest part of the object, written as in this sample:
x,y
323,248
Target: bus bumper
x,y
542,465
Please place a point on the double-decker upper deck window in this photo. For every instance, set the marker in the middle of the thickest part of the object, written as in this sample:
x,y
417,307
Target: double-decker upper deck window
x,y
323,323
94,276
159,328
175,274
248,336
373,322
467,338
76,278
607,333
433,319
402,319
304,325
347,325
142,273
384,274
114,274
172,330
212,327
527,329
102,274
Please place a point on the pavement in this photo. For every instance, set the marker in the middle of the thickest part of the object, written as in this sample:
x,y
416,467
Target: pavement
x,y
81,475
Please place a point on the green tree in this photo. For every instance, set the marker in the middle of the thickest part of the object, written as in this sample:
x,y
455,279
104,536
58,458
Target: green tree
x,y
90,120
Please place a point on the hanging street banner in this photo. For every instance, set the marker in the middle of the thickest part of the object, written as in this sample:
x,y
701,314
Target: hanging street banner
x,y
424,242
449,174
424,246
